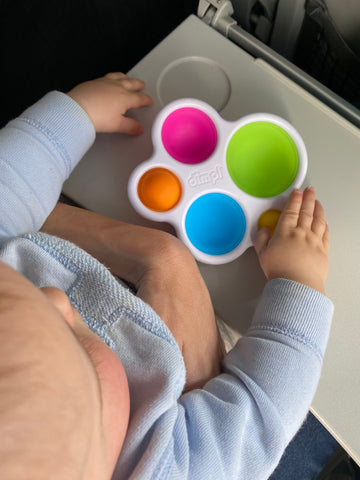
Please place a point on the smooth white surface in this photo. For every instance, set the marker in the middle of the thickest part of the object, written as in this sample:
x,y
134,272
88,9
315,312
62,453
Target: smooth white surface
x,y
333,145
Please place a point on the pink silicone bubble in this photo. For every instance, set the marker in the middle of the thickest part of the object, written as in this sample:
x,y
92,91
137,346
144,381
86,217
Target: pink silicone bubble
x,y
189,135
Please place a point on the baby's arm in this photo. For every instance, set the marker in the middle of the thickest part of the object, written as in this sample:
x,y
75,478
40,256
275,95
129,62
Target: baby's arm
x,y
240,423
39,149
272,374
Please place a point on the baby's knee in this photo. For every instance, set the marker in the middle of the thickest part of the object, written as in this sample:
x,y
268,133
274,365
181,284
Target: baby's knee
x,y
172,253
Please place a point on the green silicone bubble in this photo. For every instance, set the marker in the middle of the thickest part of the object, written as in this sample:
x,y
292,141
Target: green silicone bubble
x,y
262,159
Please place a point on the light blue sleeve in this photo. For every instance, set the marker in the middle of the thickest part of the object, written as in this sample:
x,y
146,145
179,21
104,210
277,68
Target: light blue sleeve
x,y
38,151
239,425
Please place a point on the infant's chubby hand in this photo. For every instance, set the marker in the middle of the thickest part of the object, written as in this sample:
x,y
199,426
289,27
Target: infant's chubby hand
x,y
299,248
107,99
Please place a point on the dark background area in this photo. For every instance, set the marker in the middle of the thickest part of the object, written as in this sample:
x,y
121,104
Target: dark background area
x,y
56,44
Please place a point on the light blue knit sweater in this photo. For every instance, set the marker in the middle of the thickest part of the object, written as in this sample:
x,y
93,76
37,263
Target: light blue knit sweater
x,y
238,426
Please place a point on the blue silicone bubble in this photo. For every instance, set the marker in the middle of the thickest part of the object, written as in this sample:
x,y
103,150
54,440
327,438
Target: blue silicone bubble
x,y
215,223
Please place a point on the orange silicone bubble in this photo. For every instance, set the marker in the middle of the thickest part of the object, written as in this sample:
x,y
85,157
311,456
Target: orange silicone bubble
x,y
159,189
269,219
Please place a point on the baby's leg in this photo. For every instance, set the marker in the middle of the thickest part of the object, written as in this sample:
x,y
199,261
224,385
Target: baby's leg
x,y
164,274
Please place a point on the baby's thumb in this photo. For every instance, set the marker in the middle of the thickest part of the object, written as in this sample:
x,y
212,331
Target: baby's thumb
x,y
262,239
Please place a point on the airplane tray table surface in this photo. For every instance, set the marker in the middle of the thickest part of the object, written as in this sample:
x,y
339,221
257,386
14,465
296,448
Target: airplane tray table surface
x,y
196,61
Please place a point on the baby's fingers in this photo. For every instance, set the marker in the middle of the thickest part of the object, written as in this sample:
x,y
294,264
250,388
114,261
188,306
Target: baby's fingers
x,y
290,215
326,238
129,126
115,75
129,83
262,239
138,99
319,224
132,84
306,214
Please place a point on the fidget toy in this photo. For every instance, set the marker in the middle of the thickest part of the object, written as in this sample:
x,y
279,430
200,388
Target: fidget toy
x,y
216,181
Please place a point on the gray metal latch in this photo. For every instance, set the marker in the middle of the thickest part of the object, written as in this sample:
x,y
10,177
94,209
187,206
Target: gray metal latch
x,y
217,13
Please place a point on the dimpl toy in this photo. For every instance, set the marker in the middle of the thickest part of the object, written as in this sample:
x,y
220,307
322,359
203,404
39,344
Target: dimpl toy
x,y
216,181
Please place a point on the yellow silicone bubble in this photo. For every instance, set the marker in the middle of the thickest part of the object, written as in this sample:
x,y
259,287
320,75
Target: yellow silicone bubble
x,y
269,219
159,189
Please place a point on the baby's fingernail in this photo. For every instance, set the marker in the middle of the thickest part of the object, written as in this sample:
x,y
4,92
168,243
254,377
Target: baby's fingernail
x,y
310,188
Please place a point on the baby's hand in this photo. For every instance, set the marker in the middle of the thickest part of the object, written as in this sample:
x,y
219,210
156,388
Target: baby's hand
x,y
299,248
107,99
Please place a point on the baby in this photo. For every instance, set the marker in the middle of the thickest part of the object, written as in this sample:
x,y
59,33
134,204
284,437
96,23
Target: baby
x,y
101,381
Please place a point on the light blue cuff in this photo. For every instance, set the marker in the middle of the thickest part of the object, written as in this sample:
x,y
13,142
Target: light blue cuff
x,y
38,151
59,121
294,310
